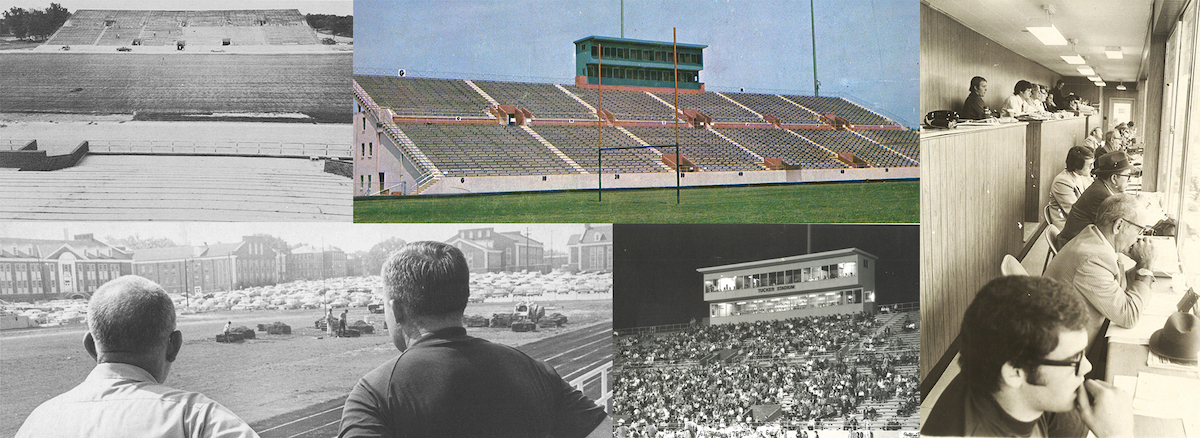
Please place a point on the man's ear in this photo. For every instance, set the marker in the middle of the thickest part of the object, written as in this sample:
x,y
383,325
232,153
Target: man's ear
x,y
174,344
89,344
1012,376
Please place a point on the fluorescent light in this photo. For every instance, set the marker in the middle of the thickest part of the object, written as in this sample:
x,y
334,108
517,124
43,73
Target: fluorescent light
x,y
1094,78
1073,59
1086,71
1101,84
1113,52
1048,35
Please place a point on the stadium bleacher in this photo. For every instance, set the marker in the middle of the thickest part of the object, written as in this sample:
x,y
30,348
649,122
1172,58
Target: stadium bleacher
x,y
159,28
562,118
580,144
484,150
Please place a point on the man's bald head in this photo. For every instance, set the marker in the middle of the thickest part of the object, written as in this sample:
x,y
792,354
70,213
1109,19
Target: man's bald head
x,y
131,315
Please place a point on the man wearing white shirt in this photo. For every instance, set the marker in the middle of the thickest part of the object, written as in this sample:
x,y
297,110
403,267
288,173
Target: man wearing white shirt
x,y
132,337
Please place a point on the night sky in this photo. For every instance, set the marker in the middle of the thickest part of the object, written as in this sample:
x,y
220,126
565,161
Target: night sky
x,y
654,268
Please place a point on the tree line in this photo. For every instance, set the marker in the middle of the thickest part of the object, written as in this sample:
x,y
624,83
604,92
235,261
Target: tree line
x,y
335,24
33,24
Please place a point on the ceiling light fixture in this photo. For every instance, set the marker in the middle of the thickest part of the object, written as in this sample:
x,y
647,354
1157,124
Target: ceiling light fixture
x,y
1114,53
1101,84
1086,71
1048,35
1073,59
1121,87
1094,78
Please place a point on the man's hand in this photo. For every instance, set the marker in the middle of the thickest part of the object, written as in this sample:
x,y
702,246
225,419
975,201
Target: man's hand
x,y
1111,415
1142,252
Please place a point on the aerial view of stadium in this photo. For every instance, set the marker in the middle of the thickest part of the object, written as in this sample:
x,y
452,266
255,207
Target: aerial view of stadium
x,y
765,330
646,113
197,114
279,321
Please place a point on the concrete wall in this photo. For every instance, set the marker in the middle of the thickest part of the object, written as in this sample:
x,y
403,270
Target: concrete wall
x,y
503,184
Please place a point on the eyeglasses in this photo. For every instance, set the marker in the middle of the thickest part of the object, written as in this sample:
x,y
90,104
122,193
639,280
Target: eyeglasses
x,y
1142,230
1065,363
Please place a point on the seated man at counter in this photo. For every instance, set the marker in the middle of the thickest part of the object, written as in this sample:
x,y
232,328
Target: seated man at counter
x,y
1018,104
1022,342
1112,173
1090,264
1070,184
974,108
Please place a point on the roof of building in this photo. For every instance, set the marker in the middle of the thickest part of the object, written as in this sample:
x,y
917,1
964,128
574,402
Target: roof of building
x,y
593,234
630,40
11,247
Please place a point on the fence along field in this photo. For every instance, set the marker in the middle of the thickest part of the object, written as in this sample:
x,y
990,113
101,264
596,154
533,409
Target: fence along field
x,y
162,86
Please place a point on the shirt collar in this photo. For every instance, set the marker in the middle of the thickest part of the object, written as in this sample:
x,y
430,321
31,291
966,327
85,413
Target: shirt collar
x,y
120,371
441,336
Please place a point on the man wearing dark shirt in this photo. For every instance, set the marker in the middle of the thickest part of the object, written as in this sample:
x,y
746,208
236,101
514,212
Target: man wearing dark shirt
x,y
1058,98
1022,358
448,384
974,108
1112,172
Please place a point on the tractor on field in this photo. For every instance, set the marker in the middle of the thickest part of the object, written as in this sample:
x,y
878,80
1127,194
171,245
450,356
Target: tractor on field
x,y
524,317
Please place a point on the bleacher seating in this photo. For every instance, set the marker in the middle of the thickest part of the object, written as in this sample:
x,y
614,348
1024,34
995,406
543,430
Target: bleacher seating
x,y
905,142
579,143
705,149
712,105
484,150
836,105
765,104
425,97
846,141
626,105
770,143
545,101
159,28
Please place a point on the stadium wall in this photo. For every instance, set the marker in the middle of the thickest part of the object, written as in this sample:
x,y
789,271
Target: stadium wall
x,y
504,184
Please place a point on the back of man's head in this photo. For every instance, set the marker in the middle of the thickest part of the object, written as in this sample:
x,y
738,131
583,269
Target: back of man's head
x,y
1114,208
1015,319
428,280
130,315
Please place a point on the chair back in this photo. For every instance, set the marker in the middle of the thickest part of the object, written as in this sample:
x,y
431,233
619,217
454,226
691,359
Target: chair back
x,y
1051,237
1011,266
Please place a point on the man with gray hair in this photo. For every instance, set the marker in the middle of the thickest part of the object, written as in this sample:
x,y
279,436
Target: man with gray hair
x,y
446,383
132,337
1090,264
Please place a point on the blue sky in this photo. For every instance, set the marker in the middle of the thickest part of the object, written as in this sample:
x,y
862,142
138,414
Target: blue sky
x,y
867,51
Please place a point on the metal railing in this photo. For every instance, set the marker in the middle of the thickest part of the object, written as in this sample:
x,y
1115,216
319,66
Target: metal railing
x,y
603,373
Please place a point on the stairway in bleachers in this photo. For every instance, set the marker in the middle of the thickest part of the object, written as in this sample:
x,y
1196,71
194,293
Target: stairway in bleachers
x,y
846,141
887,409
706,150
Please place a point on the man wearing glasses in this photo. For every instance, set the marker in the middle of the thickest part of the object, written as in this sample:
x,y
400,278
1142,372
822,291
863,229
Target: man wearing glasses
x,y
1022,344
1090,264
1112,173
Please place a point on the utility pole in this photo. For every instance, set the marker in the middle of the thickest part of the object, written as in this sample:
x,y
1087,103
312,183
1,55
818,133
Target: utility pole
x,y
813,21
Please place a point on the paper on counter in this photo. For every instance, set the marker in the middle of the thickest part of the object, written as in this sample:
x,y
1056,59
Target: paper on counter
x,y
1156,361
1160,304
1162,396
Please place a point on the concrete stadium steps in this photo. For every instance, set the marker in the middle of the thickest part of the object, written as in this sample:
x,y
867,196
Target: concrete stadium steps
x,y
906,142
484,150
178,189
159,28
626,105
545,101
887,409
203,147
846,141
842,107
786,111
706,150
425,97
779,143
579,143
712,105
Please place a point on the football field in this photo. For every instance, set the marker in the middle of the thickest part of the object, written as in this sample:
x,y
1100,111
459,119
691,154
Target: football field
x,y
846,202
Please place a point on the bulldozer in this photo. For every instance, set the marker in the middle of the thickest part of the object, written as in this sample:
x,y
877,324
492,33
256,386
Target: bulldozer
x,y
524,317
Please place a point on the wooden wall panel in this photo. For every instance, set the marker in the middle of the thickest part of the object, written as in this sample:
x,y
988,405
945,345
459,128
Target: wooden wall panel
x,y
1046,145
951,54
972,202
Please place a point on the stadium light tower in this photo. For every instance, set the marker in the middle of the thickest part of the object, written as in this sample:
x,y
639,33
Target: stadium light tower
x,y
813,26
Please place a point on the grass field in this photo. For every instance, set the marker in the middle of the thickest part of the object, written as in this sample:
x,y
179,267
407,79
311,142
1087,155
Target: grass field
x,y
123,83
854,202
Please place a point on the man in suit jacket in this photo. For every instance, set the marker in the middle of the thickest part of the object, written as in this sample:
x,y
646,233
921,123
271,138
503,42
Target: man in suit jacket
x,y
1090,264
1112,173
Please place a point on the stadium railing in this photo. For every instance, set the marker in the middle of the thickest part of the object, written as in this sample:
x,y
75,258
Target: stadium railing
x,y
604,374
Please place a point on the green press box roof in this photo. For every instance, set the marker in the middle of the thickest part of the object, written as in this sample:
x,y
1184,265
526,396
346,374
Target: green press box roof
x,y
633,41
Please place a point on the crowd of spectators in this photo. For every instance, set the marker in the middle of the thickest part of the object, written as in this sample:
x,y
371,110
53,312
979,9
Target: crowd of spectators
x,y
823,392
788,338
